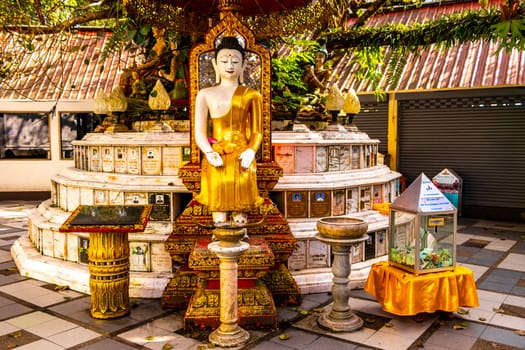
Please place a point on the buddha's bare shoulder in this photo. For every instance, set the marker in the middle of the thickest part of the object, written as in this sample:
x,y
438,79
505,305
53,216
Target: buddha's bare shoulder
x,y
209,90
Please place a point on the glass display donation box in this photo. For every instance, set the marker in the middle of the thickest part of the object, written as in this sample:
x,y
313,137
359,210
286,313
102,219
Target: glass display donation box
x,y
422,229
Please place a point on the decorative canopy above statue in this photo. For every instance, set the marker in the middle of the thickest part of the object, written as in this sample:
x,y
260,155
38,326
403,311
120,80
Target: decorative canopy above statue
x,y
245,7
267,18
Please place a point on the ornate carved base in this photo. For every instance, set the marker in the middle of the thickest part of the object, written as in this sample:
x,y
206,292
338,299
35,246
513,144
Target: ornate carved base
x,y
179,290
227,336
283,287
256,309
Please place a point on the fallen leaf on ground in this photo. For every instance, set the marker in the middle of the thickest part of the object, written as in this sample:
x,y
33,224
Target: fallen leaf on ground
x,y
460,326
462,311
284,336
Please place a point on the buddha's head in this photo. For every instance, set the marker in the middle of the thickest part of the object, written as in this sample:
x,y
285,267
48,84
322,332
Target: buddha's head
x,y
229,60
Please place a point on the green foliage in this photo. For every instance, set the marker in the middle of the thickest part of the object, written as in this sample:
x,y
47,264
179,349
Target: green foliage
x,y
446,31
42,12
504,25
287,71
511,33
368,43
395,67
130,35
370,61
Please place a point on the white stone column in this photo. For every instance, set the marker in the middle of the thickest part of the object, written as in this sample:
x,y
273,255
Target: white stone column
x,y
229,333
340,317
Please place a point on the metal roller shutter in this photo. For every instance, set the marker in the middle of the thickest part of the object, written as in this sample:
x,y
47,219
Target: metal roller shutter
x,y
373,119
481,138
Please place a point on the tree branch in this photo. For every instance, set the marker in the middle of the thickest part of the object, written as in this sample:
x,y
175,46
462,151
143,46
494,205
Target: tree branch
x,y
370,11
39,12
66,25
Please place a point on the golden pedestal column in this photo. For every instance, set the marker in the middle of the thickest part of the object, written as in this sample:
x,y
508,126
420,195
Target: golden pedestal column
x,y
109,274
108,227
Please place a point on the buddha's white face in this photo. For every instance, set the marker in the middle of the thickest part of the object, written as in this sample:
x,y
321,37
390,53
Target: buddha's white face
x,y
229,63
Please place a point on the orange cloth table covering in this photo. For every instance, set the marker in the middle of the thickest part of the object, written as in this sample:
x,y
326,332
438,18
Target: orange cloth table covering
x,y
403,293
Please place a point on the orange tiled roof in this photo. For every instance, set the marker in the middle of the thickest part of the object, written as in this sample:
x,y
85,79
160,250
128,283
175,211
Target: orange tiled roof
x,y
73,73
471,65
61,67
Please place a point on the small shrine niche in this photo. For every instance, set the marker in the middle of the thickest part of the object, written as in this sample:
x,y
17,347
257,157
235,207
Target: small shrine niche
x,y
423,226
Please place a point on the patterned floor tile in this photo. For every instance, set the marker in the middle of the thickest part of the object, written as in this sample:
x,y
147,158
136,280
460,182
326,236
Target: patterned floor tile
x,y
513,262
504,336
494,251
482,344
17,339
74,336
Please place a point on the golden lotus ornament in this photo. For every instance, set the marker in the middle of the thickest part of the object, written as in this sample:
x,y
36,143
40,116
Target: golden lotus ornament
x,y
351,103
117,104
159,99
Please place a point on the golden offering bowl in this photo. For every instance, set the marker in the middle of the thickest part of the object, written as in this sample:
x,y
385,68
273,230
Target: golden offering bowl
x,y
342,227
230,236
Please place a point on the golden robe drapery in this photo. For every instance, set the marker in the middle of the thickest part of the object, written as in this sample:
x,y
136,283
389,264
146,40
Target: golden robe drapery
x,y
230,187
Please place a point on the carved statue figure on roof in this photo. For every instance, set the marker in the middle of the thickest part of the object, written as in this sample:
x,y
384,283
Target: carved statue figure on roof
x,y
317,76
178,71
229,179
160,41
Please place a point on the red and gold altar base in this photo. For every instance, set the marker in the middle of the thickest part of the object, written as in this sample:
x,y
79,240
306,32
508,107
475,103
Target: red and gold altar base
x,y
108,251
264,280
403,293
255,303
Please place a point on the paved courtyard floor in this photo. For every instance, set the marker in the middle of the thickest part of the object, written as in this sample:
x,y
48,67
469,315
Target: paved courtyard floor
x,y
35,315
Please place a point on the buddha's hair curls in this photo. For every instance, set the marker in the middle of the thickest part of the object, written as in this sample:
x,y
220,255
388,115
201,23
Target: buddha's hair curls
x,y
230,42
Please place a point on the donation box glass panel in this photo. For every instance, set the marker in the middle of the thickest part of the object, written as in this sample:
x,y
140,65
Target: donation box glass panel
x,y
422,230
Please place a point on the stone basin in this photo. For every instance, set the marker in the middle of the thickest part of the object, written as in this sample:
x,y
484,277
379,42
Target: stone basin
x,y
342,227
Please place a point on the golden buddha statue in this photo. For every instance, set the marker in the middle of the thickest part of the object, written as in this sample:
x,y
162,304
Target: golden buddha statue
x,y
228,170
